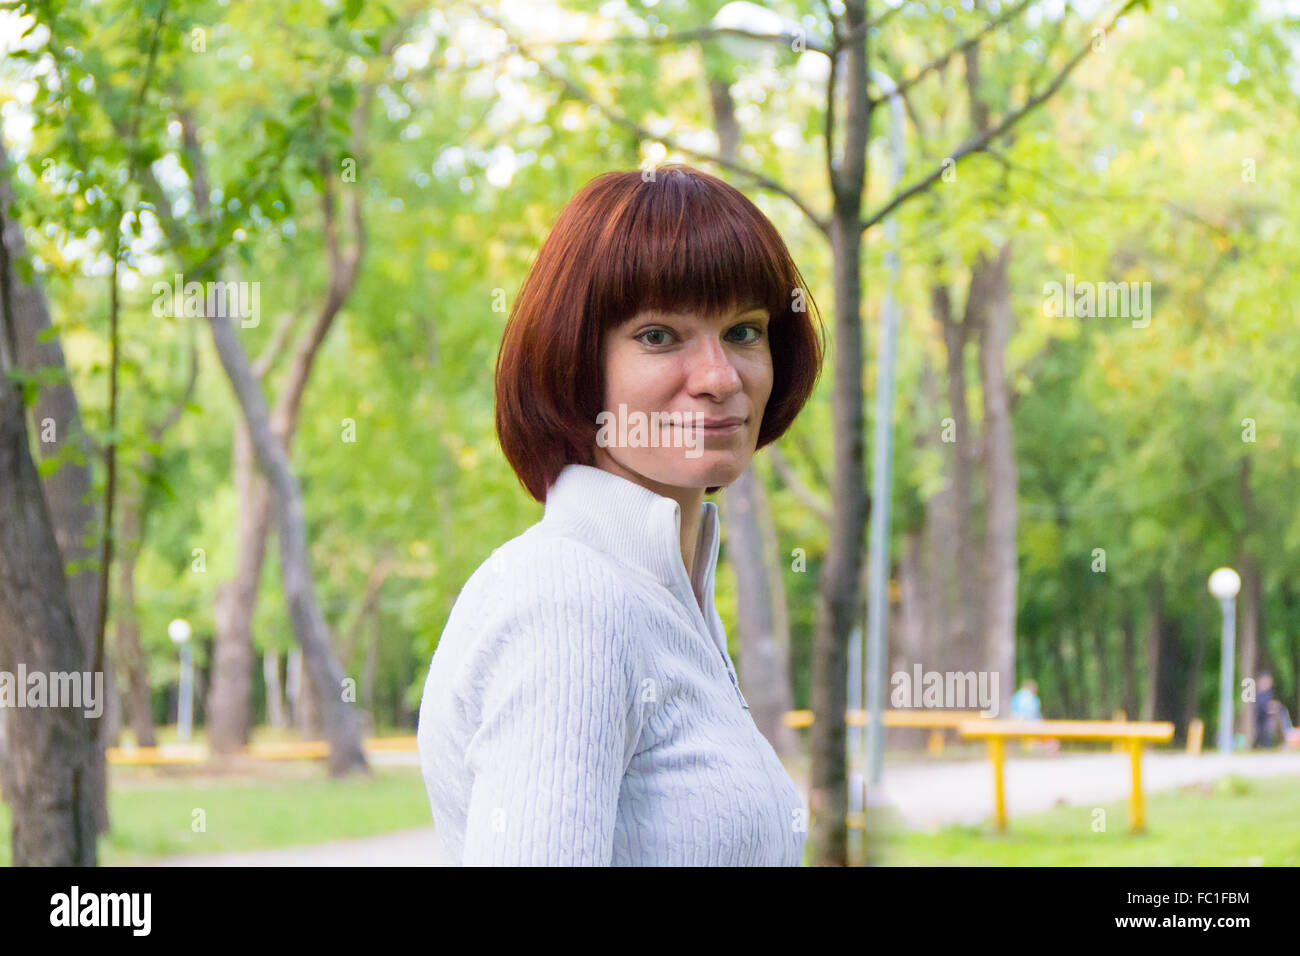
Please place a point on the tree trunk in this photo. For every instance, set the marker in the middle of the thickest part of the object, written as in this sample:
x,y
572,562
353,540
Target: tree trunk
x,y
764,666
1151,690
230,697
1105,687
1084,709
1173,673
938,569
1249,624
369,672
49,780
275,714
965,650
1192,704
913,623
1250,597
68,489
1066,690
130,651
1001,481
1127,666
306,711
839,585
340,719
1293,650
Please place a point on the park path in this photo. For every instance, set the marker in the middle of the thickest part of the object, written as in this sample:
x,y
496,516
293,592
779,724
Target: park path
x,y
418,847
926,795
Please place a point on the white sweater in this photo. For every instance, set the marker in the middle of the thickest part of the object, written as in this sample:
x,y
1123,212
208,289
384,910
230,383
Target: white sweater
x,y
581,710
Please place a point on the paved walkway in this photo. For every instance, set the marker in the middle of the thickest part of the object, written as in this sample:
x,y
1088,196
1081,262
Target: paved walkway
x,y
417,847
926,794
929,795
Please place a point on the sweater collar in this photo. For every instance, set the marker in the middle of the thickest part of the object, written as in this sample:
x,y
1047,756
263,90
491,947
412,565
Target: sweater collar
x,y
636,526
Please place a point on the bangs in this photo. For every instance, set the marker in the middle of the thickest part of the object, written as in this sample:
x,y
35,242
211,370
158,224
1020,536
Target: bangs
x,y
682,244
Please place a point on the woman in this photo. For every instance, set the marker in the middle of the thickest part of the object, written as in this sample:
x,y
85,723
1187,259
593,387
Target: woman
x,y
581,707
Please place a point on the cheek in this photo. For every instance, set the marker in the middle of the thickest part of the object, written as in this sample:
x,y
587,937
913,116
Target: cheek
x,y
759,376
631,380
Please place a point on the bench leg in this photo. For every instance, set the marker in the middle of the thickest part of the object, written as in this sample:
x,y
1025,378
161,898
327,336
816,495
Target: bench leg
x,y
1135,798
935,746
999,790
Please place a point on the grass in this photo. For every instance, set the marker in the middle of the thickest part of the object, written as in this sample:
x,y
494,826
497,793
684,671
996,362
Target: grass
x,y
152,810
1234,822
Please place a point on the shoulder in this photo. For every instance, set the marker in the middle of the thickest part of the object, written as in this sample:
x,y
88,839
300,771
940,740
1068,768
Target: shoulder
x,y
540,573
545,594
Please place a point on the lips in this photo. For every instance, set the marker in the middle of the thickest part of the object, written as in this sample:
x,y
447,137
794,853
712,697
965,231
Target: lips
x,y
721,424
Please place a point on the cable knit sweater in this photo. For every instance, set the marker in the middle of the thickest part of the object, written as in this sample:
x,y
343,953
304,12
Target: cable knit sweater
x,y
581,707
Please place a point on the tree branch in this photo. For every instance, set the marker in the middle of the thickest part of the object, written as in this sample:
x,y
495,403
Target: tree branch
x,y
698,35
815,502
978,143
942,59
642,132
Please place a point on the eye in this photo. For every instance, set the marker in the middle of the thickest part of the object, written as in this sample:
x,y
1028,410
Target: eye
x,y
756,337
641,337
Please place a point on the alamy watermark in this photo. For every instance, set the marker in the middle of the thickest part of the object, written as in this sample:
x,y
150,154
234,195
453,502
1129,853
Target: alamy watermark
x,y
129,910
195,300
642,430
960,690
1101,300
54,689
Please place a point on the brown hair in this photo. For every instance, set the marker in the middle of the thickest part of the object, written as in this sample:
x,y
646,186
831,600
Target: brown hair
x,y
679,240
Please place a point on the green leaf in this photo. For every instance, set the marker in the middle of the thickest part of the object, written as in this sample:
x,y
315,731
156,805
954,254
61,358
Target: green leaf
x,y
343,94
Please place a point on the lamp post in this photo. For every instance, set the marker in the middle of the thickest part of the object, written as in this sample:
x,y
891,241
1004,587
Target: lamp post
x,y
1224,585
179,631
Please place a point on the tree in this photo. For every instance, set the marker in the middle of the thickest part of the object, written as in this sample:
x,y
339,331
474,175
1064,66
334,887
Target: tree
x,y
50,767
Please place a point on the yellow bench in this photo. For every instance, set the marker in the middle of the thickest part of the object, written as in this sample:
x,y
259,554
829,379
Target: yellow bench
x,y
1133,735
286,750
935,720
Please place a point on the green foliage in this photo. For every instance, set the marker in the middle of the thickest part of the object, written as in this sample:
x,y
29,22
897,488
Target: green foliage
x,y
1127,439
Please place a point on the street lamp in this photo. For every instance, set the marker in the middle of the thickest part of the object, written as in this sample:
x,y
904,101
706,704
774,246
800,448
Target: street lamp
x,y
179,631
1224,585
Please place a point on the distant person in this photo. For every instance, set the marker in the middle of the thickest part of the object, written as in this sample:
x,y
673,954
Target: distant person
x,y
1290,734
1025,706
1024,702
1265,712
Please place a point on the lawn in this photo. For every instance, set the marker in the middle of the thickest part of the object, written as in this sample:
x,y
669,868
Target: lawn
x,y
153,811
1236,822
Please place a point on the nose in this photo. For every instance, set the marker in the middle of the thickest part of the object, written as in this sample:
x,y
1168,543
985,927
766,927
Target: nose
x,y
712,373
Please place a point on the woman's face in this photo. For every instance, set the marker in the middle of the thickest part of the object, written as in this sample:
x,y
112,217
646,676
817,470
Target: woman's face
x,y
684,396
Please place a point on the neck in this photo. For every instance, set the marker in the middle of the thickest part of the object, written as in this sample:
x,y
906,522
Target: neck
x,y
688,500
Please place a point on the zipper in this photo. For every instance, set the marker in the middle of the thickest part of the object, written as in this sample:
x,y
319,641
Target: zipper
x,y
726,662
701,627
735,683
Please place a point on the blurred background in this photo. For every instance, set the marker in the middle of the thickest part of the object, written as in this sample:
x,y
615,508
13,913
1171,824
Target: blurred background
x,y
257,259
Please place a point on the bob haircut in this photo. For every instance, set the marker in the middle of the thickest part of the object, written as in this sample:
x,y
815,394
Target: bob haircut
x,y
677,240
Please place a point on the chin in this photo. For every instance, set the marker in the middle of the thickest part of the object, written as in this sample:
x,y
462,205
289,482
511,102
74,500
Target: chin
x,y
713,469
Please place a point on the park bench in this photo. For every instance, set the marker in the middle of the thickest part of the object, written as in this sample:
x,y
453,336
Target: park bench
x,y
270,750
934,720
1132,735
